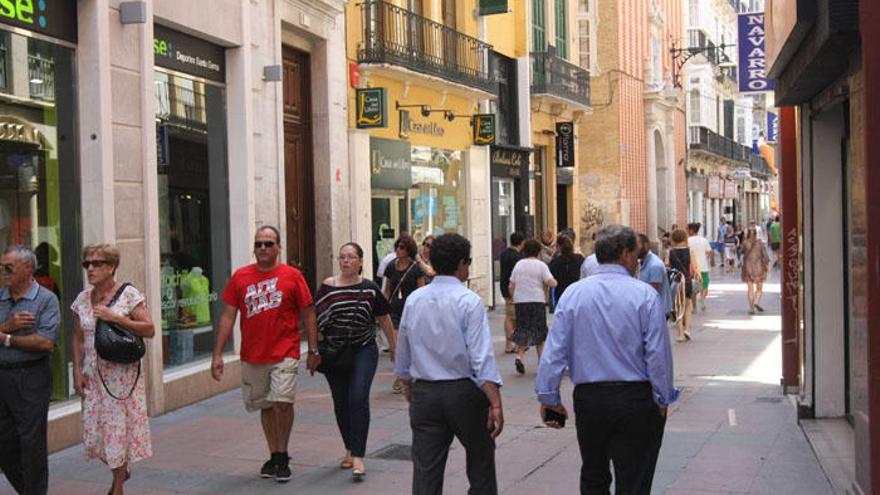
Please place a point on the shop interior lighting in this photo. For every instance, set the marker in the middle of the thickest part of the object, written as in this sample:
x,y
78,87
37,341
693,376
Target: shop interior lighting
x,y
36,80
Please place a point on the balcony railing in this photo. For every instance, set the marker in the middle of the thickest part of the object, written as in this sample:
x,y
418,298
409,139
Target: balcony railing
x,y
41,74
394,35
181,106
4,69
759,165
558,77
703,138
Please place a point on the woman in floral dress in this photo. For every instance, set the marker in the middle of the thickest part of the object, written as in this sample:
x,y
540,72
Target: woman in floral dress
x,y
754,269
116,428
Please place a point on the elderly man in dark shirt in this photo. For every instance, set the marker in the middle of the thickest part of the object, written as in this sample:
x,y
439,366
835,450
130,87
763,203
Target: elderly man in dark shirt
x,y
29,316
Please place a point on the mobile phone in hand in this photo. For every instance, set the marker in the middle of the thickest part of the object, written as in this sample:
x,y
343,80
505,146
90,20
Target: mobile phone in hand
x,y
551,415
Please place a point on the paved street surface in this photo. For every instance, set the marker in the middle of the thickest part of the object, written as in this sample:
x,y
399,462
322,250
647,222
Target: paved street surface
x,y
731,432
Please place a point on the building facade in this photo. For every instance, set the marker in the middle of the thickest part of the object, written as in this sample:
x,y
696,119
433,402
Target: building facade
x,y
631,147
173,135
824,60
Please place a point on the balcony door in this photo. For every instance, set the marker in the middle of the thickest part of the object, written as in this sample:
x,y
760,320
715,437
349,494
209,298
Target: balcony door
x,y
450,40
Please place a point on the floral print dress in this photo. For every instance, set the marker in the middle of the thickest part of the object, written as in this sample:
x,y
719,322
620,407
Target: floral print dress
x,y
115,431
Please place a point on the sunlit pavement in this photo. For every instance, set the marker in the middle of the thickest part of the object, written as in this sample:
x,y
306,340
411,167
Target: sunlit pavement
x,y
731,432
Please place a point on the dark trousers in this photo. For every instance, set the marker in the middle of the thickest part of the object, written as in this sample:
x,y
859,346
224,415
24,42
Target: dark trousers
x,y
620,423
438,411
351,398
24,414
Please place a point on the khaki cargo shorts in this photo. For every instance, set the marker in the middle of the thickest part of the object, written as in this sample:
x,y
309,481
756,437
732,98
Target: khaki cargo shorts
x,y
263,384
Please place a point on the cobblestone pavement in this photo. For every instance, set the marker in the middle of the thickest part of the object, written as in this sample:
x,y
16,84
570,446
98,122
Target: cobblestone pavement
x,y
732,431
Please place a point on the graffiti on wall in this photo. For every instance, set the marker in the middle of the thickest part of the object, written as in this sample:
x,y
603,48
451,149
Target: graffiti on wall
x,y
792,273
592,219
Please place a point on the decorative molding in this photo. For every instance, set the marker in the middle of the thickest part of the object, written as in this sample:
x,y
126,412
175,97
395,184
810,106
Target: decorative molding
x,y
327,11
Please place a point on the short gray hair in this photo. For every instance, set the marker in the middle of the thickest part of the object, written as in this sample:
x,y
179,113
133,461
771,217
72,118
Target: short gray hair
x,y
25,253
612,241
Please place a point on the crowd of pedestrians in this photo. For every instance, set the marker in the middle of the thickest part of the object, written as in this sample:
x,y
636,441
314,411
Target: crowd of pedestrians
x,y
610,331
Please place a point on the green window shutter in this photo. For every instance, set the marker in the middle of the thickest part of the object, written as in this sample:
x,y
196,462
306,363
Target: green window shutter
x,y
489,7
539,31
561,30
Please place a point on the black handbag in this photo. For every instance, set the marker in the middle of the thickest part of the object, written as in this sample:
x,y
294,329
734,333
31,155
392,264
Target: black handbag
x,y
116,344
336,360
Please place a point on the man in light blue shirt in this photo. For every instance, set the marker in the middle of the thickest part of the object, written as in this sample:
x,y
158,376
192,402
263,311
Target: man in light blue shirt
x,y
652,271
446,361
610,332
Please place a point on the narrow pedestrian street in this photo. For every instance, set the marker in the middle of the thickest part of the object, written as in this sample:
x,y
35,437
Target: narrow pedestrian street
x,y
731,432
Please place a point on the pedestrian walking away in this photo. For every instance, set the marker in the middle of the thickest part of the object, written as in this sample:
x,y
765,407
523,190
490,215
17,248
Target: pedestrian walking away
x,y
347,308
754,269
116,428
776,239
445,357
402,277
705,258
271,296
682,258
652,271
29,315
528,281
508,259
610,332
566,267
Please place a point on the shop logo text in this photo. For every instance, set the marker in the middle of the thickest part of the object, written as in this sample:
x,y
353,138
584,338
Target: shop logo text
x,y
23,11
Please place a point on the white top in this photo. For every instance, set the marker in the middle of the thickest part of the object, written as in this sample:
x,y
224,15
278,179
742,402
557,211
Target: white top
x,y
589,265
700,247
530,275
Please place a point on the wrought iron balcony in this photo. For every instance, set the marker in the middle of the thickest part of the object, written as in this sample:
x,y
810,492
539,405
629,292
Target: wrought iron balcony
x,y
41,74
759,166
557,77
181,106
394,35
704,139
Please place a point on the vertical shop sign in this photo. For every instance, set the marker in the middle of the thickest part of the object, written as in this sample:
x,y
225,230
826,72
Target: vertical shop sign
x,y
161,145
484,129
772,127
371,107
752,55
565,144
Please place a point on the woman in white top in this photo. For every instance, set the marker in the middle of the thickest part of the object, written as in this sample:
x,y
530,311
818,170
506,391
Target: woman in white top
x,y
527,282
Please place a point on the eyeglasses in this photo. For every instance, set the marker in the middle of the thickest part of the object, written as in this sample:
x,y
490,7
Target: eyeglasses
x,y
8,267
95,263
264,244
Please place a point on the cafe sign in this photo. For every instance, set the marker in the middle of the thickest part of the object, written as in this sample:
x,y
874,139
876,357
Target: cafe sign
x,y
372,107
55,18
484,129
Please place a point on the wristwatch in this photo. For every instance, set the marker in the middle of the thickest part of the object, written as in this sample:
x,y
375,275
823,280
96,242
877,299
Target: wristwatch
x,y
313,352
8,341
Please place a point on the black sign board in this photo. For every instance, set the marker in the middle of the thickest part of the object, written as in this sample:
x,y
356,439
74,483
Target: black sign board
x,y
489,7
55,18
182,52
484,129
391,164
161,145
508,162
565,144
372,107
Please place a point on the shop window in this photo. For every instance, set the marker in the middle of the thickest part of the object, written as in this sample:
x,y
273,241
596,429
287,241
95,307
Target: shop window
x,y
505,106
561,29
193,213
39,178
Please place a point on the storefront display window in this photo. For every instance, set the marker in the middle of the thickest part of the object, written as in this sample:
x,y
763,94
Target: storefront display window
x,y
39,187
193,212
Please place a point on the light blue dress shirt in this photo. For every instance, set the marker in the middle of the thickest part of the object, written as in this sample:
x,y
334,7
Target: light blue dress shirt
x,y
444,335
608,327
653,271
588,266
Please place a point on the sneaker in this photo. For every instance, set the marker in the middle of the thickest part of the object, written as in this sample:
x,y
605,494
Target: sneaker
x,y
269,468
282,473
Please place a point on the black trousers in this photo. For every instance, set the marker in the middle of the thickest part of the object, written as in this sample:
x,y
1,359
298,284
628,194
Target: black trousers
x,y
622,424
24,411
438,412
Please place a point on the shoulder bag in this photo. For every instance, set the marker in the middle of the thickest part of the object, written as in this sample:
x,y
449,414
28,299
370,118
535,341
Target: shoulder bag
x,y
338,359
117,344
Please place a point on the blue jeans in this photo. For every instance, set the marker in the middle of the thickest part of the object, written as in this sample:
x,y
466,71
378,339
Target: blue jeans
x,y
351,398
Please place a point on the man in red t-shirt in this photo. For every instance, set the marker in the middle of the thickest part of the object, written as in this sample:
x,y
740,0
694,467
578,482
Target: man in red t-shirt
x,y
271,297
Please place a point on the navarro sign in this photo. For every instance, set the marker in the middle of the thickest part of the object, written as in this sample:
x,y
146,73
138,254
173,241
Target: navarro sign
x,y
752,56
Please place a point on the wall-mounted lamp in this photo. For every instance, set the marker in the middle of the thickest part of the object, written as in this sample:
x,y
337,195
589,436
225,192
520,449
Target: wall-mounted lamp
x,y
425,109
133,12
272,73
680,56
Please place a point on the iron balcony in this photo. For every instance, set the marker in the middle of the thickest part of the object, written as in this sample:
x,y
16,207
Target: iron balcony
x,y
557,77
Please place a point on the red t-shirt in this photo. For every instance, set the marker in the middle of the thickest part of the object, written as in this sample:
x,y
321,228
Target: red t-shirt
x,y
269,303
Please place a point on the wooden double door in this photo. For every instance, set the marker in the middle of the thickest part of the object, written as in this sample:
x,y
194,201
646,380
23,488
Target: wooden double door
x,y
298,164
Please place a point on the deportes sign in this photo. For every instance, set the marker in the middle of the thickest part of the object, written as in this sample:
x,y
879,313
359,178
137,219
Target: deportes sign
x,y
752,56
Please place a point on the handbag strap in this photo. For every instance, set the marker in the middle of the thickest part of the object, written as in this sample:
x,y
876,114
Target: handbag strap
x,y
400,282
119,292
133,386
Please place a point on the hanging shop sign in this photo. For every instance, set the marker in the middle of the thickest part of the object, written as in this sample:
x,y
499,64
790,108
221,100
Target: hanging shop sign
x,y
729,189
372,107
55,18
565,144
713,187
489,7
772,127
162,145
752,55
508,162
484,129
391,164
182,52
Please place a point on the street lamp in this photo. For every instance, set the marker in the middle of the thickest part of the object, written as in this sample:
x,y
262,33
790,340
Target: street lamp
x,y
680,56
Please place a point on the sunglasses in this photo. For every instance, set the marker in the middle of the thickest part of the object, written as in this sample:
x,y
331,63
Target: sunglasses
x,y
264,244
95,263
